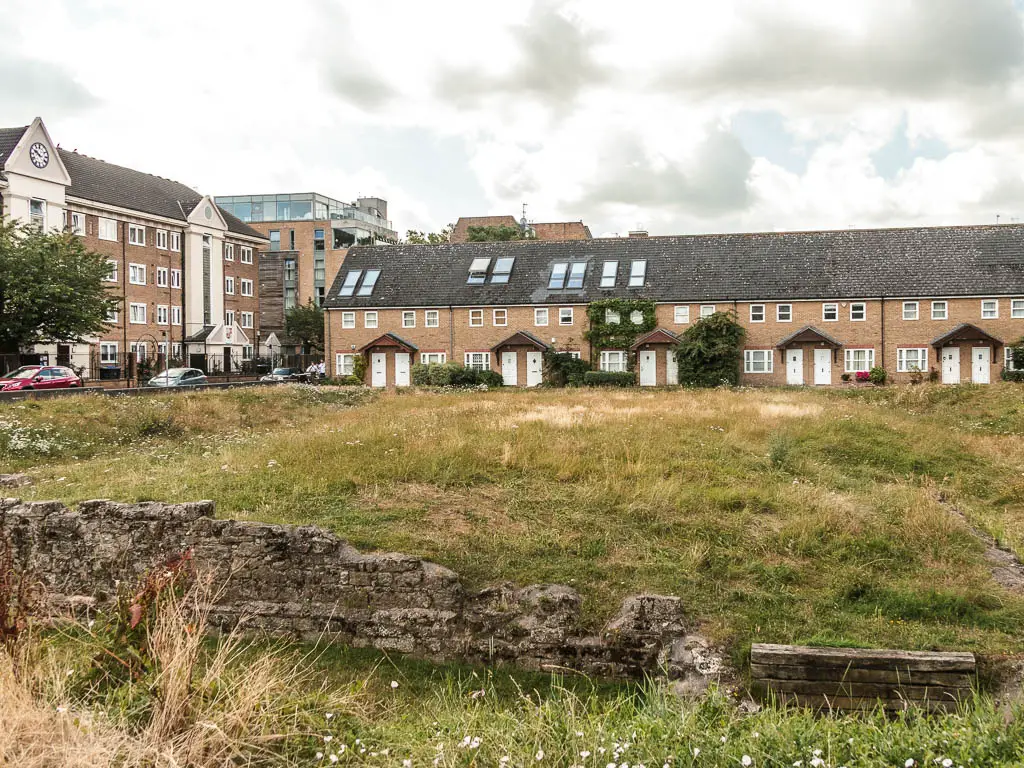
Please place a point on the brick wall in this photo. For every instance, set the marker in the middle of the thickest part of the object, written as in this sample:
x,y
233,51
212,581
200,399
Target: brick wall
x,y
305,581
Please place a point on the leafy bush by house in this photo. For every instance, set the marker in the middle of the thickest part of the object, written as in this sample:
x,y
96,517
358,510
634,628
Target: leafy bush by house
x,y
608,379
862,376
878,375
710,351
564,370
452,375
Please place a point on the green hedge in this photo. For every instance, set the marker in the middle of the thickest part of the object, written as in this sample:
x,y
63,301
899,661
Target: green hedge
x,y
452,375
563,370
608,379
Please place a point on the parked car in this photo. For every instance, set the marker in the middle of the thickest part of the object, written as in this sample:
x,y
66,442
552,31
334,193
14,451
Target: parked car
x,y
39,377
178,377
285,374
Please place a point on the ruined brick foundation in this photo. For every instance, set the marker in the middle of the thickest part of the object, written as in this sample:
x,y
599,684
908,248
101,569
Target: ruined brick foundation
x,y
306,582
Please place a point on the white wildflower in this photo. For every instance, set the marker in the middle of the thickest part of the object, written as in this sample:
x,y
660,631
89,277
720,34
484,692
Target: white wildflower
x,y
910,763
540,755
947,763
696,751
585,754
407,764
62,710
329,715
394,683
817,762
747,761
319,755
333,758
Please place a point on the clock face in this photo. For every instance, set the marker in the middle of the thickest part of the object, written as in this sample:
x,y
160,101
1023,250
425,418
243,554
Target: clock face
x,y
39,155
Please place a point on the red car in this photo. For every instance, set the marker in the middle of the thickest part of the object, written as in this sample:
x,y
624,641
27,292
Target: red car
x,y
39,377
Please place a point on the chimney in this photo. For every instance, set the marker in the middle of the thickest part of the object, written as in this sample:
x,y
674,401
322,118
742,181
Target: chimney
x,y
638,233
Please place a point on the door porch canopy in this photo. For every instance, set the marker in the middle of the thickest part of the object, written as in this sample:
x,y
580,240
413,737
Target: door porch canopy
x,y
966,333
657,336
809,335
521,339
391,340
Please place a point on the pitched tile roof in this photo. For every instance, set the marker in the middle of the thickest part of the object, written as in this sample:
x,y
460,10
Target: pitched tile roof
x,y
102,182
657,336
770,266
808,335
9,138
522,339
965,332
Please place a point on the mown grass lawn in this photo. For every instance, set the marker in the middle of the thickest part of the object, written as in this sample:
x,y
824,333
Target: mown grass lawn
x,y
777,515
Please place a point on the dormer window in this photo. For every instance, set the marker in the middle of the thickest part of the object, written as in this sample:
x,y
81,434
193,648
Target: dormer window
x,y
349,286
478,271
637,273
368,282
608,274
577,270
502,270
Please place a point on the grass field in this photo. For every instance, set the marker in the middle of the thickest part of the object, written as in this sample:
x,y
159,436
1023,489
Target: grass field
x,y
777,515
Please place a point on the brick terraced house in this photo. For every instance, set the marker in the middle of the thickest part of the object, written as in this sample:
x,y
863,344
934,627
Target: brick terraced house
x,y
815,305
186,269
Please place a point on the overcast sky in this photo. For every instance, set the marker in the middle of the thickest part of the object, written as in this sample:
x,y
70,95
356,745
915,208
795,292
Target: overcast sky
x,y
684,116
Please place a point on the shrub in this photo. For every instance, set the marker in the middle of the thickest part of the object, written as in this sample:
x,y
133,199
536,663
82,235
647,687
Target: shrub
x,y
916,376
877,376
1012,375
933,375
845,377
563,370
608,379
710,351
863,376
453,375
359,368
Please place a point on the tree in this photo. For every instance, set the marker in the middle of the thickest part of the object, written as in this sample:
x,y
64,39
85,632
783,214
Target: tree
x,y
498,233
710,351
52,288
416,237
305,324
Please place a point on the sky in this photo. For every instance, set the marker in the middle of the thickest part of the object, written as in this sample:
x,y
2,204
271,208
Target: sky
x,y
676,117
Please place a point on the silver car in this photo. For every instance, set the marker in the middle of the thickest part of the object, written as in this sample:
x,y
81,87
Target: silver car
x,y
178,377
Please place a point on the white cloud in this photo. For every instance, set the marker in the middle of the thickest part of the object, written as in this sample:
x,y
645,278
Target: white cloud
x,y
582,108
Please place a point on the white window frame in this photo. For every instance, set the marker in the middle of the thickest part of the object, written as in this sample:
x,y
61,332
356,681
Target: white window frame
x,y
848,357
609,273
77,223
1008,358
707,310
763,313
499,318
681,314
136,310
229,317
431,318
994,309
573,353
370,319
175,315
174,241
433,358
113,316
863,311
778,313
478,361
638,273
245,257
538,314
106,229
911,310
565,316
344,363
247,319
108,352
229,285
753,358
901,359
636,317
161,239
348,320
614,360
826,309
476,318
611,317
112,274
408,318
229,251
163,314
162,277
176,278
1017,308
245,286
137,235
945,310
137,274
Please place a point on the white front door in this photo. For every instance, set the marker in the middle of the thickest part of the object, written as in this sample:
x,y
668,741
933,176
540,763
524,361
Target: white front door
x,y
795,367
510,368
951,365
648,368
534,368
401,369
823,367
981,370
671,368
379,369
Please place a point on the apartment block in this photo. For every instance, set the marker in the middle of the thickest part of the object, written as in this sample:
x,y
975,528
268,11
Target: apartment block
x,y
308,236
816,306
185,269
